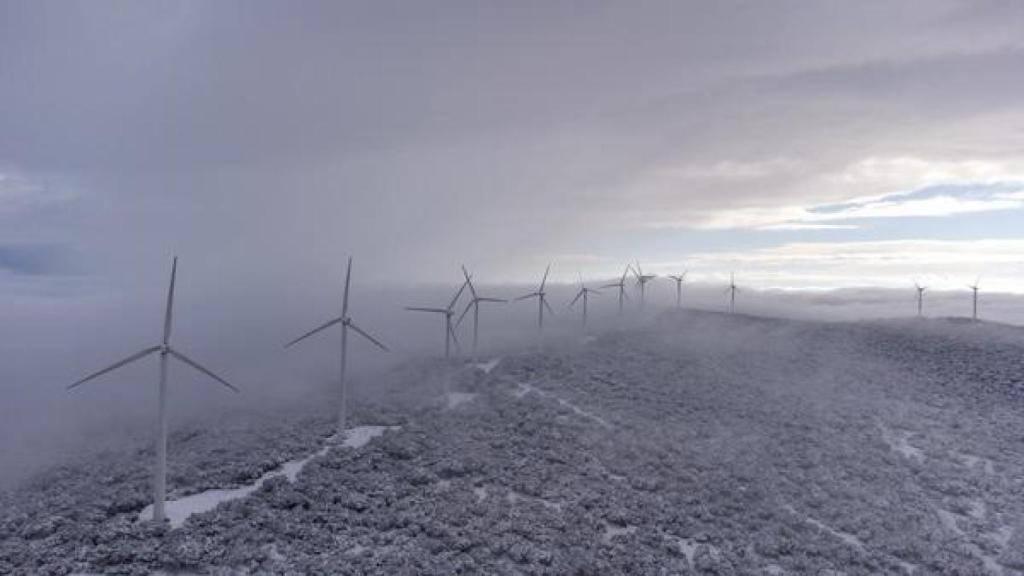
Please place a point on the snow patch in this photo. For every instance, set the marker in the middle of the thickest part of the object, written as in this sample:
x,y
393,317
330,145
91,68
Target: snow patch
x,y
972,461
489,365
523,389
949,520
179,510
846,537
358,437
687,546
454,399
611,531
897,442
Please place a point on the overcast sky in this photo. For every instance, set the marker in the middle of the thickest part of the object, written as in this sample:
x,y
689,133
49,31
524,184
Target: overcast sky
x,y
801,144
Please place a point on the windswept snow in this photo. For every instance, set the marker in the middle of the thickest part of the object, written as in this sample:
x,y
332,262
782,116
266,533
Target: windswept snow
x,y
358,437
704,444
489,365
179,510
455,399
522,389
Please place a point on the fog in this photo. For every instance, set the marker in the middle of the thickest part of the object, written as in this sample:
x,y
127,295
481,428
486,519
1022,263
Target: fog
x,y
237,328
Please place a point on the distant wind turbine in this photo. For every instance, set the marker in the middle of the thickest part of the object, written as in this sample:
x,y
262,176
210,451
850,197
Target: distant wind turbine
x,y
920,299
621,285
584,293
974,289
448,312
542,300
474,303
641,281
732,290
679,279
346,325
165,350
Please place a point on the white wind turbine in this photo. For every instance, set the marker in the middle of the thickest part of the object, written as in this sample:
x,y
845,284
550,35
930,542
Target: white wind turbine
x,y
584,293
732,290
346,324
974,289
679,279
621,285
165,350
474,303
542,300
920,299
449,330
641,281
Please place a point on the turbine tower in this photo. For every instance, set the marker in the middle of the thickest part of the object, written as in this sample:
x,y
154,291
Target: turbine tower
x,y
974,309
585,294
542,300
346,324
920,299
621,285
448,312
641,281
474,303
679,279
732,290
165,351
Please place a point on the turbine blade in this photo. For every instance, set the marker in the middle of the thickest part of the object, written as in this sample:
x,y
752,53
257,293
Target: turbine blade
x,y
613,285
196,365
491,300
348,278
363,333
116,365
472,290
545,279
464,312
548,306
530,295
170,302
420,309
323,326
457,295
578,295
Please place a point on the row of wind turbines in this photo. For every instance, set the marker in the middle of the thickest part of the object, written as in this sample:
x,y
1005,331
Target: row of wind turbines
x,y
974,298
166,352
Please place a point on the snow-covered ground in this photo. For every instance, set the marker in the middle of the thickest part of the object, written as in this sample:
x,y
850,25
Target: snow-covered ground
x,y
702,443
179,510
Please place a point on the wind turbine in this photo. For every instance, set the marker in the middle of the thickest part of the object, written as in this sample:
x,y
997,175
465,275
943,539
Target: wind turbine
x,y
165,350
585,294
621,285
542,300
641,281
474,303
449,331
346,324
974,288
679,278
920,298
732,289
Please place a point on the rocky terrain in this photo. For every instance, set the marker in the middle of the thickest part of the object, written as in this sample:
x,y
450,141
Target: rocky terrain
x,y
698,444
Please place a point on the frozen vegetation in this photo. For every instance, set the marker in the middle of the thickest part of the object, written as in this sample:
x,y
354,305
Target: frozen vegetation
x,y
699,444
